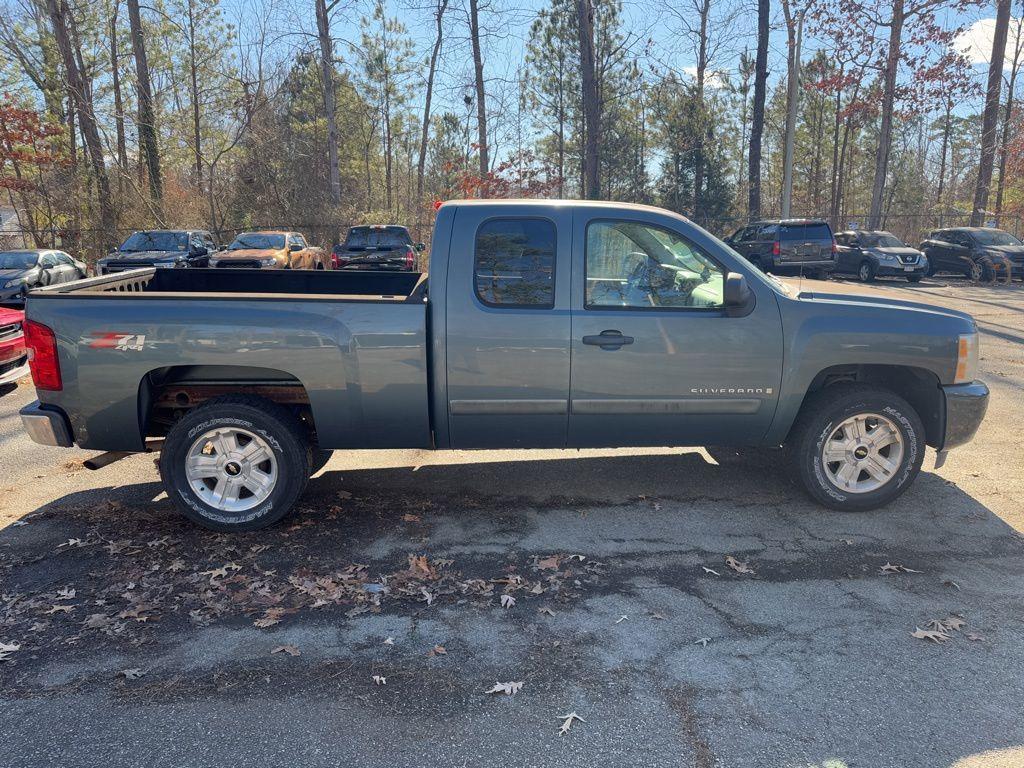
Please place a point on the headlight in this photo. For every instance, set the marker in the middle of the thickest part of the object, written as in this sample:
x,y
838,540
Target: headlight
x,y
15,282
268,262
966,358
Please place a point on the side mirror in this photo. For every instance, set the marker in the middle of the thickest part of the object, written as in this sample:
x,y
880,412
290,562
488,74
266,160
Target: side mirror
x,y
420,247
200,251
294,247
737,294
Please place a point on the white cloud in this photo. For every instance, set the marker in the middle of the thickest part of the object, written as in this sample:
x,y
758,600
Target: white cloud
x,y
713,80
975,42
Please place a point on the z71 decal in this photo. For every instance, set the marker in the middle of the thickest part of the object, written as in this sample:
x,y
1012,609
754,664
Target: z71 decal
x,y
125,342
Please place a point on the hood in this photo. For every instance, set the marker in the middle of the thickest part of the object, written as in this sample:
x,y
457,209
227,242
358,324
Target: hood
x,y
8,316
10,274
248,253
905,250
144,256
870,300
1015,252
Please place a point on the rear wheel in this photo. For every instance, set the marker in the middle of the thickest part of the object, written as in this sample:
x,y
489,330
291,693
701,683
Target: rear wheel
x,y
856,447
982,272
235,463
913,278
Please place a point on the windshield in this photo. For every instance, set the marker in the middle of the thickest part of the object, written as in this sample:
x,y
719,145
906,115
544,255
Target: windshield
x,y
155,241
256,241
377,237
995,237
18,259
880,240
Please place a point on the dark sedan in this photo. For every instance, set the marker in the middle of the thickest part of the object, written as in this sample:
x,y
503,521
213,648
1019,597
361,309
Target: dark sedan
x,y
871,254
21,271
980,253
385,247
160,248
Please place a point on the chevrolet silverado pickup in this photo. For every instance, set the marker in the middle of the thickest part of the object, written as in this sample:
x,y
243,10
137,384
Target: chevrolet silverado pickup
x,y
542,324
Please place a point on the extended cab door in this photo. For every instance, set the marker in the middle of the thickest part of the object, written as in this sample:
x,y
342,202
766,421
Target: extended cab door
x,y
507,326
656,358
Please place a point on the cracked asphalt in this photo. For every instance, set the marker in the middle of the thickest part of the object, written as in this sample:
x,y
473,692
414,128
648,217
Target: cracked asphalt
x,y
670,657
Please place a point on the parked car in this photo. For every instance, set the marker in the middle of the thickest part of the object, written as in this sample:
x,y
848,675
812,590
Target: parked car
x,y
13,356
975,252
875,253
377,247
547,324
787,246
23,270
270,250
173,248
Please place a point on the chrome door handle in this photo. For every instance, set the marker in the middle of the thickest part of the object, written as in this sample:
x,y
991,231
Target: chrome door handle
x,y
610,340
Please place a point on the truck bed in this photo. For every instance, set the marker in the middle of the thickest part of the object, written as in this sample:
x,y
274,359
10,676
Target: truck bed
x,y
136,346
248,283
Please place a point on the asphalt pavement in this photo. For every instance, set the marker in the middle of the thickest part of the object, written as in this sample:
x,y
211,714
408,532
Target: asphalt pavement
x,y
143,641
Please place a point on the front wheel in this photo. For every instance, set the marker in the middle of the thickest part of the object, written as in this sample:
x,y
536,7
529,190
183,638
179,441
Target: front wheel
x,y
856,446
235,463
866,272
913,278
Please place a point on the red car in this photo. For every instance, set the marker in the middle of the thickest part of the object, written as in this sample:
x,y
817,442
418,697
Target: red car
x,y
13,355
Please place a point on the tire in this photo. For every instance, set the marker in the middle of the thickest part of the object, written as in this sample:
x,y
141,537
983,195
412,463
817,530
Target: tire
x,y
230,425
822,419
982,272
913,278
320,458
866,271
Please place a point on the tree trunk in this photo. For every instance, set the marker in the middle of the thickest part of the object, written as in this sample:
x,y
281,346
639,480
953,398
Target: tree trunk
x,y
421,164
323,28
946,125
704,10
193,71
115,70
147,119
481,96
1004,140
591,113
991,114
81,98
757,122
892,63
793,34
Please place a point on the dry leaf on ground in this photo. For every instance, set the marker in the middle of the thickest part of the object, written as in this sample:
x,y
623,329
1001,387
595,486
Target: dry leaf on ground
x,y
389,641
291,650
702,641
929,634
975,637
131,674
621,619
738,565
549,563
379,680
509,689
567,721
438,650
710,570
410,518
894,568
507,601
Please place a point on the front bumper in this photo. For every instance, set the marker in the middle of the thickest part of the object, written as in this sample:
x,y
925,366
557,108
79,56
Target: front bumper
x,y
965,408
46,425
900,270
13,370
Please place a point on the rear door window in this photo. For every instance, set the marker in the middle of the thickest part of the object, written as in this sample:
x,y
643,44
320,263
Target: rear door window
x,y
805,232
514,263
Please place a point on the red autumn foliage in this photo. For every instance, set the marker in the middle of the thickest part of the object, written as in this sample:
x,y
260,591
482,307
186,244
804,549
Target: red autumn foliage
x,y
27,145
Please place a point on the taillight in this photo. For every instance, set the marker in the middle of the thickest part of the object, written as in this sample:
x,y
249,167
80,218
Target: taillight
x,y
776,248
42,356
410,259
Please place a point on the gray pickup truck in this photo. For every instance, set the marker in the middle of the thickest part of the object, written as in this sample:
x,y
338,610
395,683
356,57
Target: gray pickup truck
x,y
543,325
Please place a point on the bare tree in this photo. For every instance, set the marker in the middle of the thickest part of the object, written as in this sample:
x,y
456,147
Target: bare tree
x,y
991,112
757,120
147,125
591,108
323,28
115,72
1011,88
435,53
481,96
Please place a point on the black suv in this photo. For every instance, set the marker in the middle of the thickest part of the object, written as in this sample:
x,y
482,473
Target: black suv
x,y
377,246
160,248
787,245
976,252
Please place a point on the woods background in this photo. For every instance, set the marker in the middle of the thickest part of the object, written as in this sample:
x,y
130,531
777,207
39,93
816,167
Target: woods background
x,y
318,114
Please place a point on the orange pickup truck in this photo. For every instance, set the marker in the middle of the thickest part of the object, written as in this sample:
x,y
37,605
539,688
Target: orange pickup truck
x,y
270,250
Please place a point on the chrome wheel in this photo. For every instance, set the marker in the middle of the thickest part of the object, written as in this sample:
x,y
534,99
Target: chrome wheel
x,y
865,272
231,469
863,453
976,272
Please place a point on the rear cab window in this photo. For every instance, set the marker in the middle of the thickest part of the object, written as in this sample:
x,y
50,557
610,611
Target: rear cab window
x,y
514,263
361,238
816,231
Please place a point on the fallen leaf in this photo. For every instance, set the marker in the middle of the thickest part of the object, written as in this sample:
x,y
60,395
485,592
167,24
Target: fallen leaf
x,y
409,518
344,495
702,641
291,650
389,641
545,610
265,621
621,619
537,589
66,593
438,650
889,568
507,601
737,565
710,570
549,563
426,595
177,565
9,647
974,636
131,674
60,609
929,634
96,621
509,689
656,615
379,680
950,583
568,721
953,623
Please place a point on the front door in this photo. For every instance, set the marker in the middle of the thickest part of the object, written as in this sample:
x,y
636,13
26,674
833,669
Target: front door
x,y
507,328
656,359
